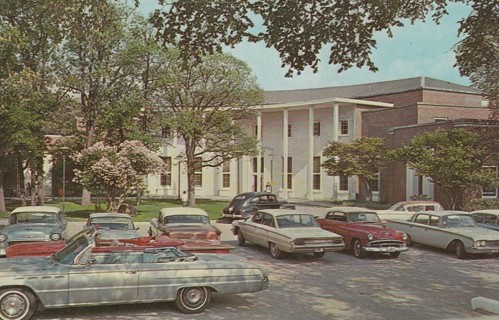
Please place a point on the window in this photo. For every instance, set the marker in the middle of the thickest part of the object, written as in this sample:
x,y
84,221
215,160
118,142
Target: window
x,y
317,173
289,130
490,191
344,127
254,165
166,132
343,183
317,129
289,173
198,172
166,177
226,174
422,219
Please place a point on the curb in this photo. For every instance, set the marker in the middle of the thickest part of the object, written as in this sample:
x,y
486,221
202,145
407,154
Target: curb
x,y
485,304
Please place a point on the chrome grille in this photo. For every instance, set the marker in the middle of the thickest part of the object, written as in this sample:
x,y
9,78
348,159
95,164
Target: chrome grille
x,y
386,243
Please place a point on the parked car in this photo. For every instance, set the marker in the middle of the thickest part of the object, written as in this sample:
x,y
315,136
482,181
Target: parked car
x,y
285,230
40,249
363,232
184,223
487,218
66,278
405,209
245,204
117,225
34,223
452,230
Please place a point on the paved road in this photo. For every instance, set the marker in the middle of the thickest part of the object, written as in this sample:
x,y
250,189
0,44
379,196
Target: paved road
x,y
423,283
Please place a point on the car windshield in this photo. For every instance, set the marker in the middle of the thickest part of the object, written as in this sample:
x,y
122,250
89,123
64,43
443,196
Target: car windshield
x,y
34,217
296,221
113,223
238,200
187,219
72,249
458,221
363,217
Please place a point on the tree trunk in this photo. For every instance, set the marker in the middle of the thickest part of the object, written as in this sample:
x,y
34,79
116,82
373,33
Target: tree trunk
x,y
2,198
85,198
40,190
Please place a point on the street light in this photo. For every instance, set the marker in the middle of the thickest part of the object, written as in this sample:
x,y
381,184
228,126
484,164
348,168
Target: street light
x,y
64,150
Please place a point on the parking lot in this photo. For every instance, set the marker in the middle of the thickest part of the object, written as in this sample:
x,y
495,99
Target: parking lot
x,y
423,283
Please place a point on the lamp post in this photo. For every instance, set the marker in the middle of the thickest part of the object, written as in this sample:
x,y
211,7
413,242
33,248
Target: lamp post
x,y
64,150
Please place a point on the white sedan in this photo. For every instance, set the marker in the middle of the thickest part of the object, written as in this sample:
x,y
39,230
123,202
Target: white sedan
x,y
284,230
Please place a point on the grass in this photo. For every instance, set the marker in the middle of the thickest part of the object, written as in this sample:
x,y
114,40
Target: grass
x,y
148,209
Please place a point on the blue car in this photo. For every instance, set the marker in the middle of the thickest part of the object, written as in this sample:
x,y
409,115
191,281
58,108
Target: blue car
x,y
33,223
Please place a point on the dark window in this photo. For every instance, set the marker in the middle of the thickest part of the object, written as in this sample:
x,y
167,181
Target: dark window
x,y
317,129
317,173
343,183
166,177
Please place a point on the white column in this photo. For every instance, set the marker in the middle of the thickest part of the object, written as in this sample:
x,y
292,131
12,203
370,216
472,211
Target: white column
x,y
258,160
311,153
336,123
285,152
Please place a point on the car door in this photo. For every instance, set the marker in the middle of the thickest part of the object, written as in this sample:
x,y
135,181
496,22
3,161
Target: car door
x,y
262,230
417,230
249,227
110,280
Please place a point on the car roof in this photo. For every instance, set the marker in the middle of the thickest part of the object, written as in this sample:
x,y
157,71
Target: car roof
x,y
108,214
417,202
176,211
442,213
489,211
349,209
48,209
280,212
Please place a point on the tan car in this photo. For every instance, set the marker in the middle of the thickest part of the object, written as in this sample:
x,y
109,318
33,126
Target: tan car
x,y
286,231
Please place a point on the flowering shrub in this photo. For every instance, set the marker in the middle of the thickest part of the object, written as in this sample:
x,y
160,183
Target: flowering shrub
x,y
116,171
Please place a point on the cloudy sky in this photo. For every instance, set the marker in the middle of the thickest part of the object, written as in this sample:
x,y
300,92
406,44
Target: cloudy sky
x,y
423,49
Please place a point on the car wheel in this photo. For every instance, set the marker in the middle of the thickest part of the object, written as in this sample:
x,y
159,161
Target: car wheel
x,y
275,252
460,252
193,300
16,304
319,254
241,241
394,254
357,249
409,241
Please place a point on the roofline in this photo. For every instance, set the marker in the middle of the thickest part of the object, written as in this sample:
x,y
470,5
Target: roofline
x,y
325,101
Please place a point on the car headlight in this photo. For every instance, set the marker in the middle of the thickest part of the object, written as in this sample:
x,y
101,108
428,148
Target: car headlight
x,y
55,236
231,208
3,237
481,243
404,237
370,237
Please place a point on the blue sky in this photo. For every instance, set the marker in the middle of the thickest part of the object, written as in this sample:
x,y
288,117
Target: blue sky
x,y
423,49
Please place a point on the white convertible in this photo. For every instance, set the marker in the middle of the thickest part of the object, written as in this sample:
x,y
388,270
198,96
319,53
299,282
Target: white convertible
x,y
452,230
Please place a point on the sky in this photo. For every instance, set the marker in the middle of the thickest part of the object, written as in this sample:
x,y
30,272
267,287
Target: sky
x,y
422,49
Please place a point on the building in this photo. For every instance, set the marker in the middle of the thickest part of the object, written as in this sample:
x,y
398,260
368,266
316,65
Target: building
x,y
294,126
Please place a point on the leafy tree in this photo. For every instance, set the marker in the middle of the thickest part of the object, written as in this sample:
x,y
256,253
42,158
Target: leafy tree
x,y
363,158
205,104
29,34
299,29
100,64
455,160
116,171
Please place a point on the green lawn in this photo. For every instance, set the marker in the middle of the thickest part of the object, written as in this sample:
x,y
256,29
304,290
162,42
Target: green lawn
x,y
147,210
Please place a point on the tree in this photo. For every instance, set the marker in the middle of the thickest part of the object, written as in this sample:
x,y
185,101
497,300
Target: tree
x,y
100,65
299,29
29,34
116,171
363,158
455,160
205,104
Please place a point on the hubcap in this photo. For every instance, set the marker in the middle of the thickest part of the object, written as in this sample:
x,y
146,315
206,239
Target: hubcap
x,y
194,296
13,305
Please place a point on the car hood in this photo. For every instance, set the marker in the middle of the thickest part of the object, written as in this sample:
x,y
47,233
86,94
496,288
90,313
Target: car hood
x,y
477,233
300,233
29,231
376,229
